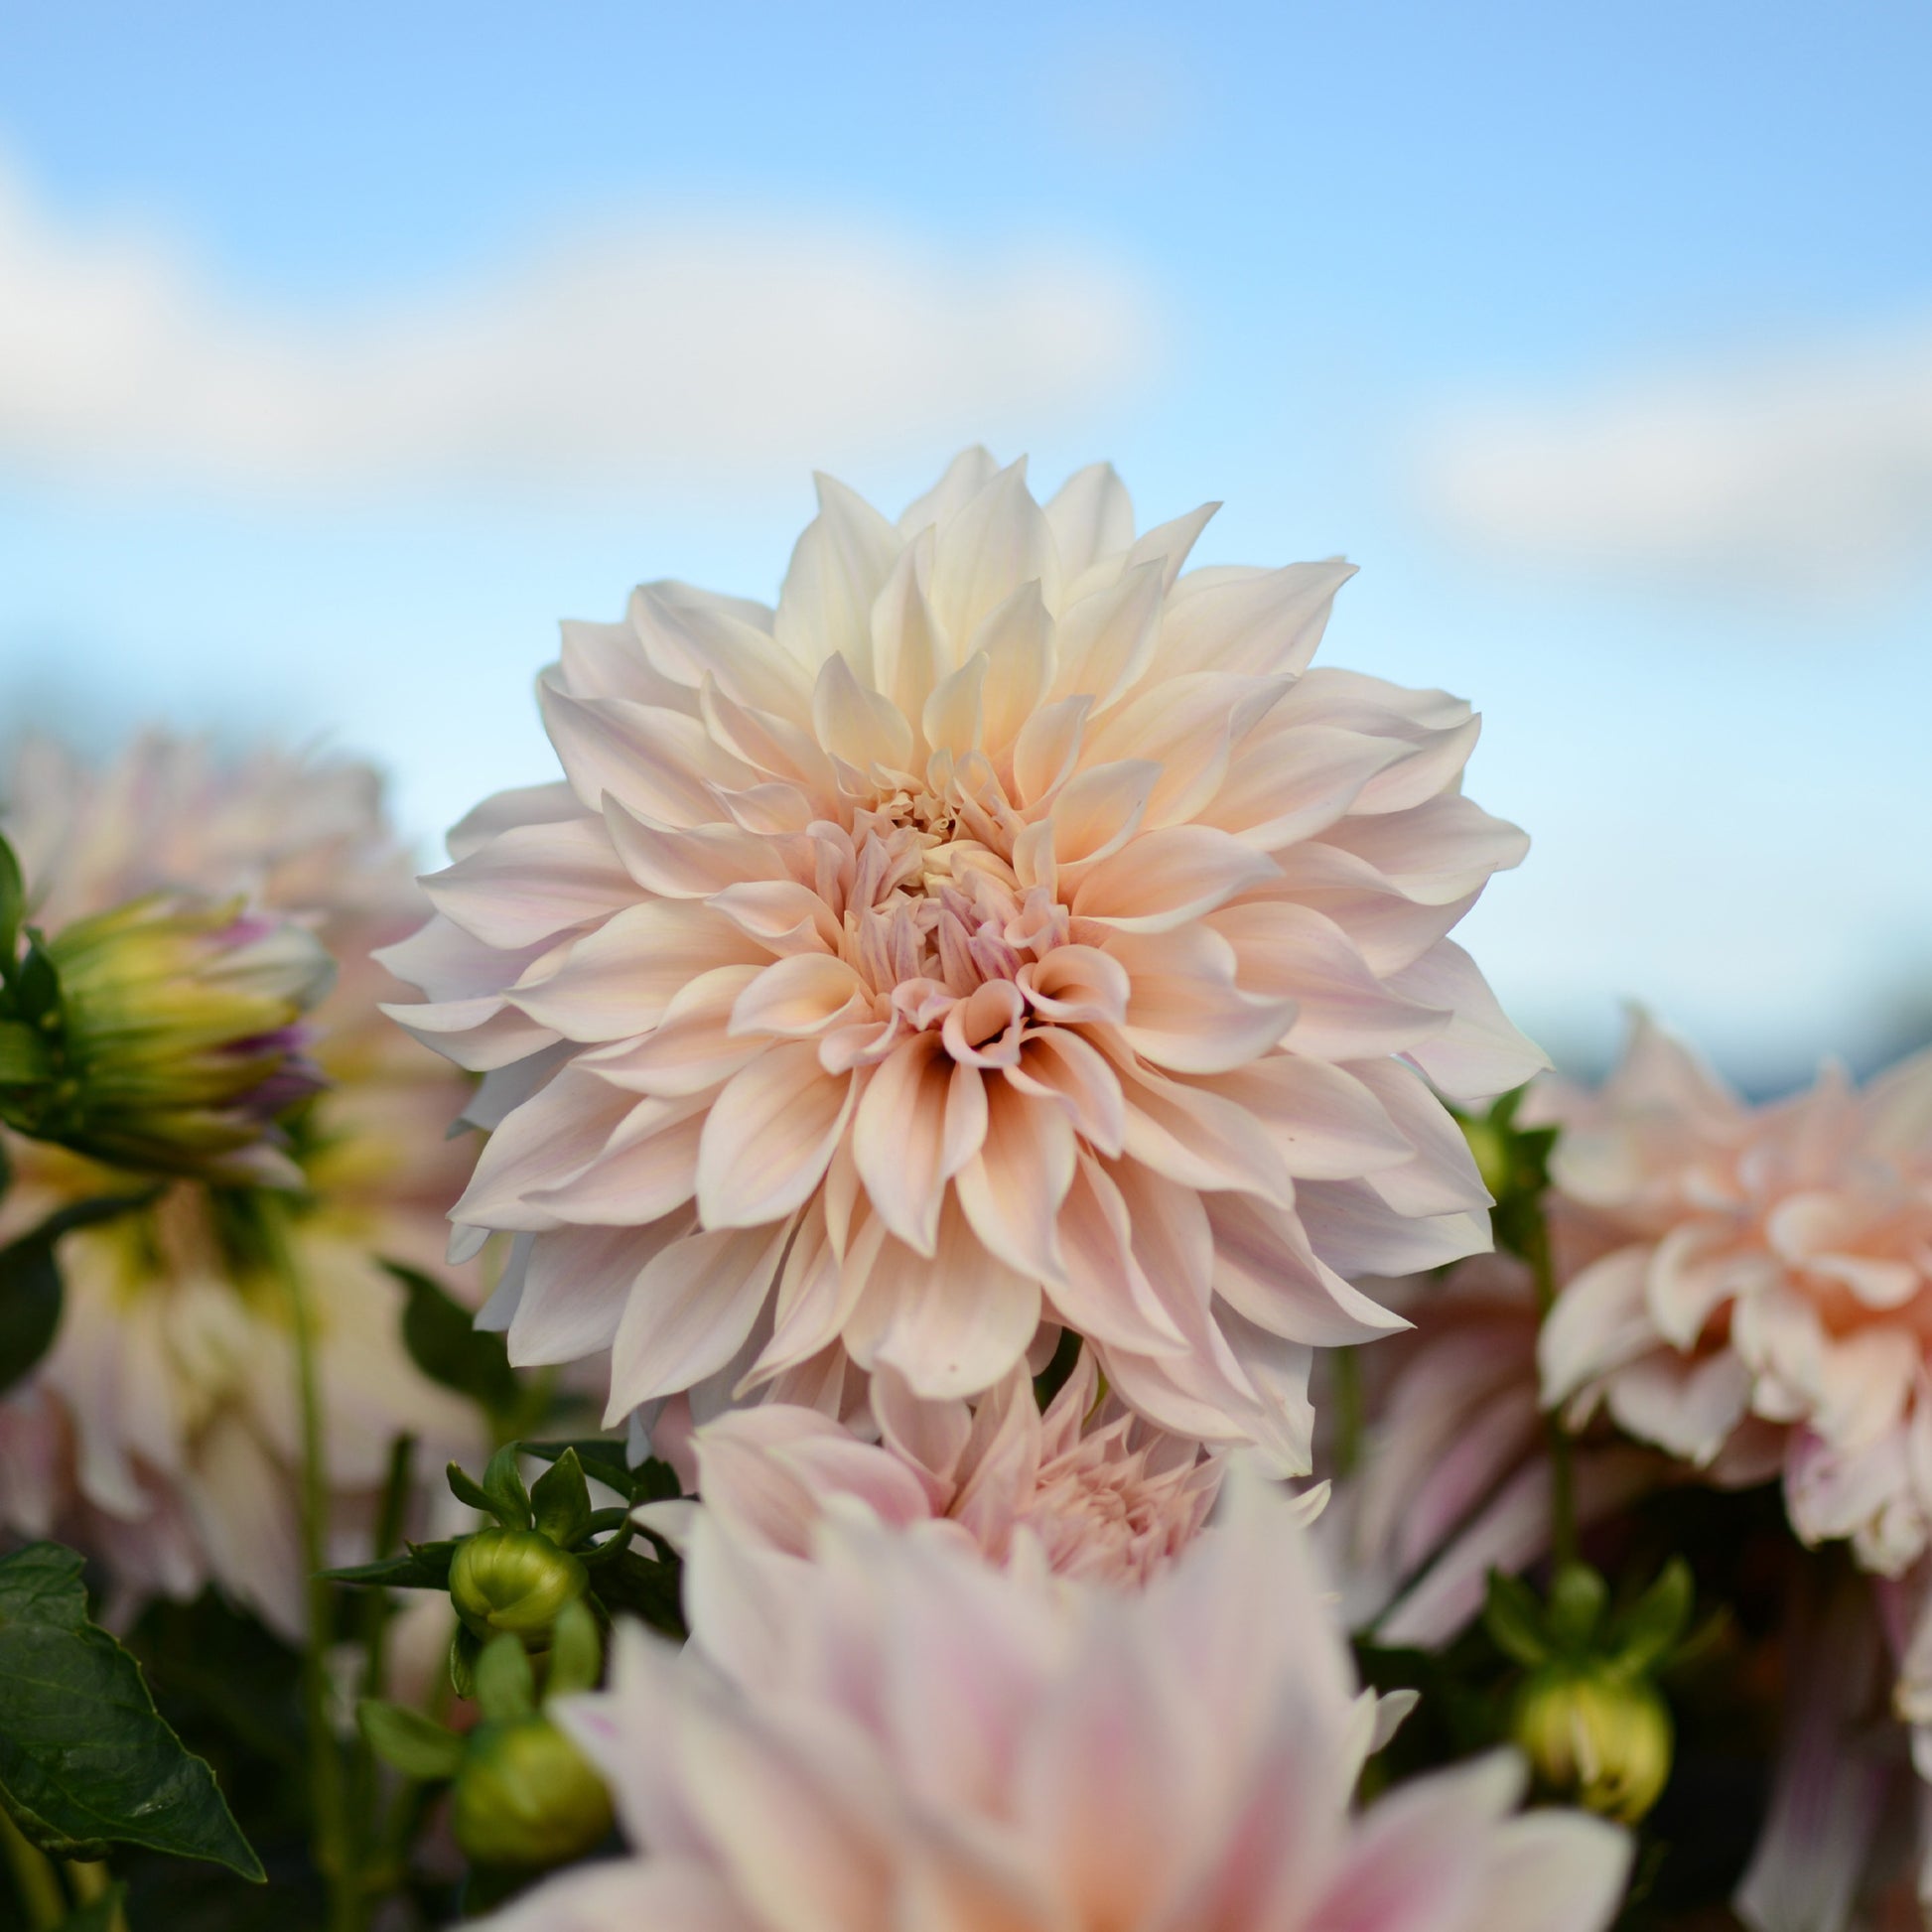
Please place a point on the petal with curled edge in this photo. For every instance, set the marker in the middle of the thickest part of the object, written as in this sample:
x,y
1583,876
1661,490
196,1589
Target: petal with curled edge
x,y
768,1136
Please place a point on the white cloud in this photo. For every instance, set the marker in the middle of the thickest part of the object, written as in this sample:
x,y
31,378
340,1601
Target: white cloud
x,y
1805,474
711,353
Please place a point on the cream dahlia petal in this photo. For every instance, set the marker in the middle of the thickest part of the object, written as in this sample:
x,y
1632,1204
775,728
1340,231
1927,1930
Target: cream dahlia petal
x,y
998,895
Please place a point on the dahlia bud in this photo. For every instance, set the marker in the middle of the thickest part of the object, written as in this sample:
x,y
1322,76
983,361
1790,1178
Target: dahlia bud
x,y
515,1581
526,1796
1596,1735
163,1035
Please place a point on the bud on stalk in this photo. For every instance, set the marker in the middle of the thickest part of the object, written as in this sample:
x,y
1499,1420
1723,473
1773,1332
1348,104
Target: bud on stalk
x,y
515,1581
163,1035
1596,1735
526,1796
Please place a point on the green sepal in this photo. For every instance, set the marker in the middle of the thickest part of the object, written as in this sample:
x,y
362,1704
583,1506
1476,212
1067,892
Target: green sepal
x,y
576,1652
506,1685
1514,1619
1654,1624
561,1502
449,1348
462,1662
25,1059
424,1566
612,1547
408,1741
1578,1597
466,1489
651,1482
504,1495
85,1759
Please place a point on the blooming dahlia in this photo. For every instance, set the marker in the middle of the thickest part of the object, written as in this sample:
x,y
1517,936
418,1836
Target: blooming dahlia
x,y
899,1736
1007,930
160,1431
1102,1495
1763,1286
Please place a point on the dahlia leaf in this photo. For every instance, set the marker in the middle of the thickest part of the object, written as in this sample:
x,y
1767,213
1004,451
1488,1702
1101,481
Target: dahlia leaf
x,y
449,1349
85,1759
425,1566
30,1282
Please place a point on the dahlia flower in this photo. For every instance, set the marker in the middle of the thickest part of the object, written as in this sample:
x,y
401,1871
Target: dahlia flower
x,y
160,1432
1762,1289
1102,1495
1453,1476
1007,930
899,1736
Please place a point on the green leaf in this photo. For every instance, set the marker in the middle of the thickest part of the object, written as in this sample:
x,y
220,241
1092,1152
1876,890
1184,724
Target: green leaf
x,y
425,1566
1653,1624
98,1915
86,1759
634,1584
13,907
30,1308
448,1346
408,1741
506,1685
30,1281
506,1496
1514,1619
561,1500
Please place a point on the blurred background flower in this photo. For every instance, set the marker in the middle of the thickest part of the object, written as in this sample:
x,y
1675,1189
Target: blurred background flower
x,y
335,364
161,1433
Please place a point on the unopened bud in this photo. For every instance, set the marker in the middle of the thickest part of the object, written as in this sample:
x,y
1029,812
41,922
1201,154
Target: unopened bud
x,y
168,1037
515,1581
1596,1735
527,1796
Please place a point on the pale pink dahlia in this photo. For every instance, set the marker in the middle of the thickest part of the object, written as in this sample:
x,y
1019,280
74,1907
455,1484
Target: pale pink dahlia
x,y
161,1433
1007,929
1763,1295
899,1738
1104,1496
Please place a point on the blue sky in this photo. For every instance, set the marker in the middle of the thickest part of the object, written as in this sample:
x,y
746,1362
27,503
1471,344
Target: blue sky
x,y
339,354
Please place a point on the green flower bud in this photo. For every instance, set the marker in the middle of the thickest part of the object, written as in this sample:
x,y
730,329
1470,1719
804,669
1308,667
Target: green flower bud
x,y
166,1038
526,1796
1596,1735
1489,1144
513,1581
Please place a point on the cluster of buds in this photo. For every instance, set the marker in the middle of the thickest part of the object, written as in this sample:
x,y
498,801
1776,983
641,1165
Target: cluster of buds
x,y
162,1035
1588,1715
530,1631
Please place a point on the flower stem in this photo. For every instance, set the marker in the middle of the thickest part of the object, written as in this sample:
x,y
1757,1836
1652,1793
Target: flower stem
x,y
89,1881
34,1877
1562,1487
327,1790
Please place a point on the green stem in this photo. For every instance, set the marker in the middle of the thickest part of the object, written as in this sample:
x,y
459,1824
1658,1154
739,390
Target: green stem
x,y
328,1789
1563,1482
1346,1397
34,1877
364,1774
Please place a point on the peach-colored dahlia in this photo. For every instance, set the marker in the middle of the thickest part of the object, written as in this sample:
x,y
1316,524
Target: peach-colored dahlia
x,y
899,1736
1454,1478
1103,1496
161,1433
1007,929
1763,1297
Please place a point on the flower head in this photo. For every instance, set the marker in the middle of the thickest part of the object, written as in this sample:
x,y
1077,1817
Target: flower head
x,y
899,1735
171,1040
1007,930
1760,1287
159,1433
1101,1494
